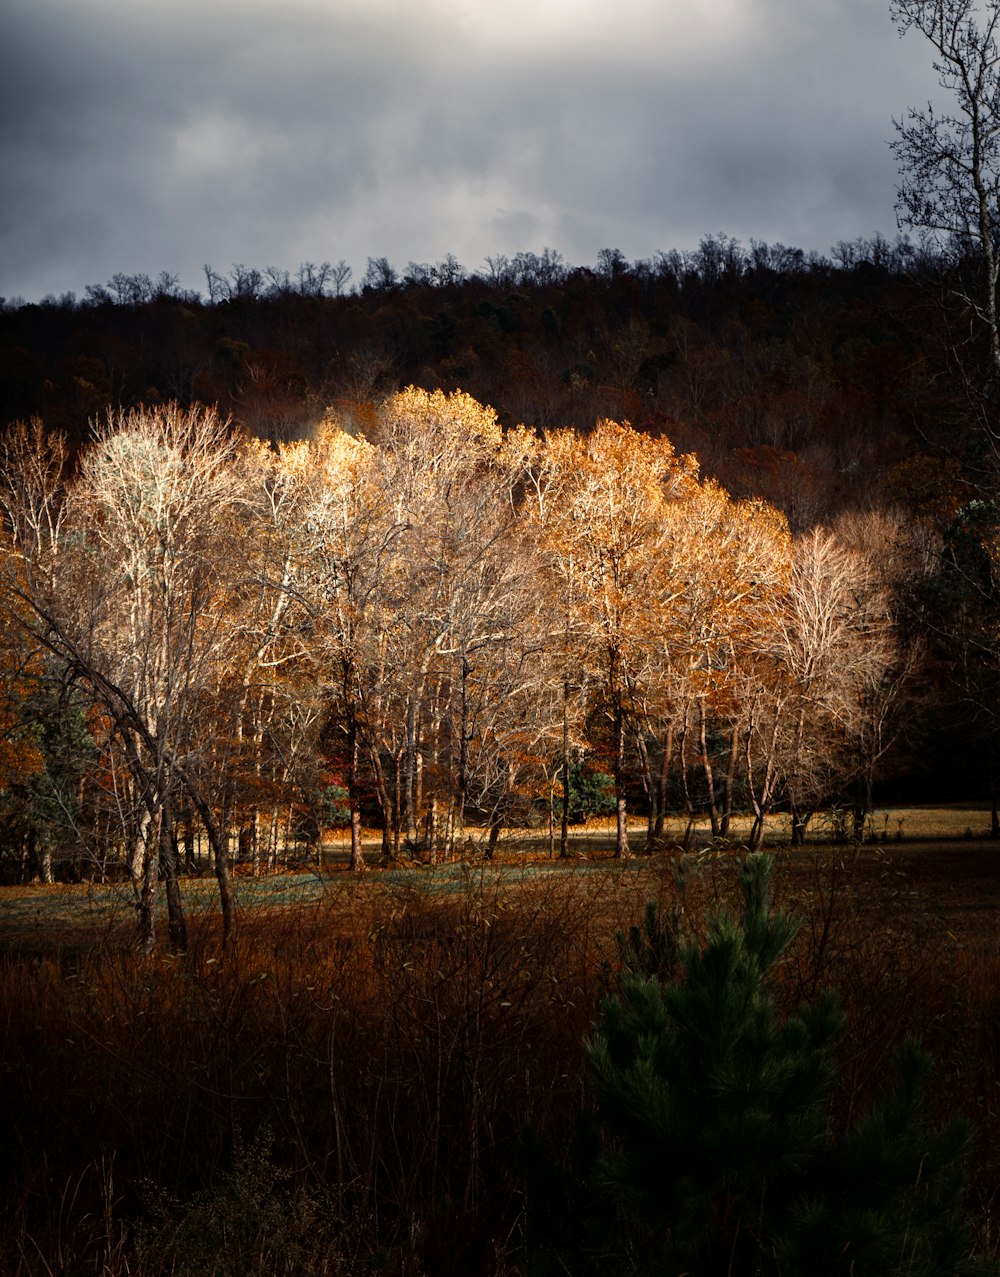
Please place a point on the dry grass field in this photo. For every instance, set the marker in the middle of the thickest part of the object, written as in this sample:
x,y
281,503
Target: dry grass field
x,y
344,1089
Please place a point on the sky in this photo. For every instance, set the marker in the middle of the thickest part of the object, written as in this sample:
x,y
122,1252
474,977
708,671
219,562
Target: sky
x,y
142,136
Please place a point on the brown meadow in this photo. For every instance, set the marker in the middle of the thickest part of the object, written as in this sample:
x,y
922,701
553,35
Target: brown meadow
x,y
344,1088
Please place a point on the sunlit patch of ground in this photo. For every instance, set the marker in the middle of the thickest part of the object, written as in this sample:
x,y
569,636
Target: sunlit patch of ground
x,y
940,862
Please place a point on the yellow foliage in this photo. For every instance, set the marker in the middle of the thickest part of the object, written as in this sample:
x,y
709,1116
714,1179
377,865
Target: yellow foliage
x,y
447,423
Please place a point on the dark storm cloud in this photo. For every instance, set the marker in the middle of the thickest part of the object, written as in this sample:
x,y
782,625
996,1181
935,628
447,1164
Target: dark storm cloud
x,y
175,132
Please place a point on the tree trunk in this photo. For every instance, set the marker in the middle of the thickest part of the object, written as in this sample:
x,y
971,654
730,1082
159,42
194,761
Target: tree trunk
x,y
142,868
685,786
146,907
730,781
761,799
661,785
706,765
176,925
410,772
397,823
566,787
27,842
649,785
457,832
220,859
46,862
223,876
433,829
621,811
385,803
354,786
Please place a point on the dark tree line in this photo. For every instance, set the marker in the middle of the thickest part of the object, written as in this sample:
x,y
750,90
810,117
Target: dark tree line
x,y
783,370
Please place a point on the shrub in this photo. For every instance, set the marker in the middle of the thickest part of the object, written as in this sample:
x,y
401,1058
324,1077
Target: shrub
x,y
713,1148
591,793
251,1222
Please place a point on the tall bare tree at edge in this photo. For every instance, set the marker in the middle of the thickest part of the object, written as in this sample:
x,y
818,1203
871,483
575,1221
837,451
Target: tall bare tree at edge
x,y
949,165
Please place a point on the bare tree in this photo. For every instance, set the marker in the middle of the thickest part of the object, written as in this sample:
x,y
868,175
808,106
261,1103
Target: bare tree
x,y
459,595
117,574
949,162
734,561
831,667
347,542
339,276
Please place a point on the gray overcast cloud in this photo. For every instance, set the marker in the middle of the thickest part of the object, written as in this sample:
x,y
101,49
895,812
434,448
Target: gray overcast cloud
x,y
163,134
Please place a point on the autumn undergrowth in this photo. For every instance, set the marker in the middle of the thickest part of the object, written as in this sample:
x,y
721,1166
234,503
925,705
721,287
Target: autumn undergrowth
x,y
346,1088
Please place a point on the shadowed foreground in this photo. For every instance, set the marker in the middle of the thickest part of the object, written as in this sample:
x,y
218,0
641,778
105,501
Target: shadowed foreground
x,y
345,1089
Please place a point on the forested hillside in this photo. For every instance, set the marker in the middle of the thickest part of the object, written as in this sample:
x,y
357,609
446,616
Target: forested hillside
x,y
741,355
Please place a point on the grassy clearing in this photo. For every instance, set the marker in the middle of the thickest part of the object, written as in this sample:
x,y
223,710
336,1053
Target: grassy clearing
x,y
78,914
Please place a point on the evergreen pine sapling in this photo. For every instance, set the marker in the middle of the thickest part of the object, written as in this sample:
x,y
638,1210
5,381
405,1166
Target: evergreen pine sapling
x,y
718,1152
